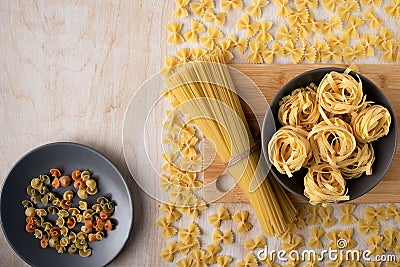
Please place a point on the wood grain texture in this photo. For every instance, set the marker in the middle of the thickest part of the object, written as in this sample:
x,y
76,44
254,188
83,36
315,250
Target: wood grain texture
x,y
269,79
68,70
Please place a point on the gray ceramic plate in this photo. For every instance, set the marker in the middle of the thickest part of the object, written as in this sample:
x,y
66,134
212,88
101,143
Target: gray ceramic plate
x,y
385,147
67,157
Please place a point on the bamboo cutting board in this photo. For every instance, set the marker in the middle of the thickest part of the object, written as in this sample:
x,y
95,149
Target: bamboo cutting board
x,y
269,79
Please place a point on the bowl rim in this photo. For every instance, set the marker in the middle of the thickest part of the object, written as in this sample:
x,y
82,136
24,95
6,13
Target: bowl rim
x,y
270,113
26,154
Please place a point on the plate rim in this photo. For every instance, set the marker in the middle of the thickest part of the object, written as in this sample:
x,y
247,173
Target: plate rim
x,y
26,154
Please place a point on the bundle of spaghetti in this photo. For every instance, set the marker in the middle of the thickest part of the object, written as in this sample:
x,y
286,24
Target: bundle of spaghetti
x,y
371,123
300,108
289,149
205,91
332,141
360,161
340,93
324,185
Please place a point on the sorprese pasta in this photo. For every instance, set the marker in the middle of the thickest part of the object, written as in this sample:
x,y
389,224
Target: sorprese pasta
x,y
329,127
93,221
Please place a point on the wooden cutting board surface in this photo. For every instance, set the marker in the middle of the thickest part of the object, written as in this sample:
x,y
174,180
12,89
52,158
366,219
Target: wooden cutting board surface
x,y
269,79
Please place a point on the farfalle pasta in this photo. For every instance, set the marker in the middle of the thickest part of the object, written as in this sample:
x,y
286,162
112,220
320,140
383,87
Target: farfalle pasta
x,y
392,10
365,226
293,242
354,23
212,34
351,53
258,242
181,8
244,24
289,149
223,260
269,54
254,9
249,261
241,218
295,52
264,36
315,235
347,217
240,44
285,34
389,237
198,8
374,20
227,5
257,48
327,216
174,28
196,28
222,215
347,236
168,254
345,10
374,241
210,256
219,237
283,8
217,18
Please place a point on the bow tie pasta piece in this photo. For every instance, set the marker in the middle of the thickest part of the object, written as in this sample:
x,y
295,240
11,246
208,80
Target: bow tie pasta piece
x,y
352,30
197,257
269,54
345,10
257,48
222,215
389,48
241,219
289,149
327,218
168,254
217,18
198,52
351,53
333,236
259,242
369,41
196,28
295,52
365,226
334,23
210,257
244,24
185,246
264,36
324,185
347,217
393,212
292,243
376,3
193,231
341,41
298,18
185,262
184,55
218,237
285,34
283,8
301,4
239,44
322,48
223,47
172,214
223,260
249,261
393,9
174,28
374,242
198,8
167,230
385,35
227,5
329,5
375,214
373,18
371,123
347,235
181,11
389,242
254,10
212,34
310,53
315,235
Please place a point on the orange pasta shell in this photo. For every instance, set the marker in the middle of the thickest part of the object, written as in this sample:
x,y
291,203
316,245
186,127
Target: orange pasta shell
x,y
55,172
65,181
30,227
44,242
76,175
56,183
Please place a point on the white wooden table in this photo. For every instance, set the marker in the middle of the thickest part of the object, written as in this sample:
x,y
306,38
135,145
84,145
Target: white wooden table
x,y
68,70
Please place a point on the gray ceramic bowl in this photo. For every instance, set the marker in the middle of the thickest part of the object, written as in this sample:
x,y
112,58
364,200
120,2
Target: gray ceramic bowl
x,y
385,148
67,157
